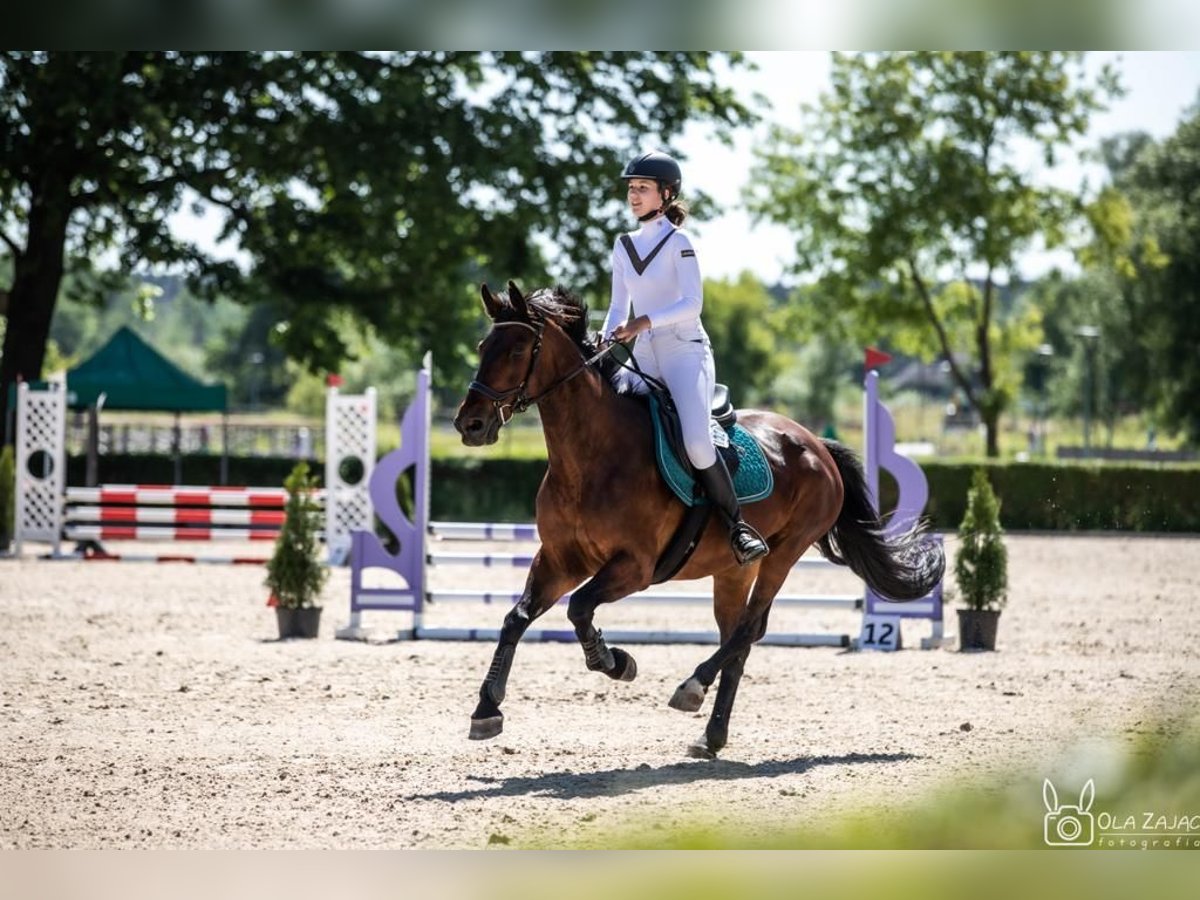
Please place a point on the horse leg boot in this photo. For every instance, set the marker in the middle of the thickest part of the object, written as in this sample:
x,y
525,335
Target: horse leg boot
x,y
618,578
541,592
748,545
487,721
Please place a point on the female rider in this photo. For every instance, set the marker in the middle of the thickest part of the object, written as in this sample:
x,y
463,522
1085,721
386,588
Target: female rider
x,y
655,276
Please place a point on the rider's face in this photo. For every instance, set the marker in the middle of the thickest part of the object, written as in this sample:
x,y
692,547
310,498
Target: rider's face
x,y
643,196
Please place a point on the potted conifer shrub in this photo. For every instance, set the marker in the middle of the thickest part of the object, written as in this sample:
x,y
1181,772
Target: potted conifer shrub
x,y
295,574
981,567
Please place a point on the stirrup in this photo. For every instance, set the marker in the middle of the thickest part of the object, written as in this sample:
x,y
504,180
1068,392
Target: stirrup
x,y
747,551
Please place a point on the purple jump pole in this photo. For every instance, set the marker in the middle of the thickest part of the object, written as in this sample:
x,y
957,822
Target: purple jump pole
x,y
879,431
366,550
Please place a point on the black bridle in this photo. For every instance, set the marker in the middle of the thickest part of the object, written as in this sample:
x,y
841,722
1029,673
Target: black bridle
x,y
520,400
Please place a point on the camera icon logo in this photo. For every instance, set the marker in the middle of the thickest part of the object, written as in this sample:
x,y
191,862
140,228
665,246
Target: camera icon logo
x,y
1066,825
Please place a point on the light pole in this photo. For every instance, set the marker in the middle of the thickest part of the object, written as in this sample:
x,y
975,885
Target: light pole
x,y
1090,335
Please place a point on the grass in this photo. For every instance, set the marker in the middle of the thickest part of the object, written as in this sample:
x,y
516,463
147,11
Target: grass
x,y
921,420
1156,772
524,440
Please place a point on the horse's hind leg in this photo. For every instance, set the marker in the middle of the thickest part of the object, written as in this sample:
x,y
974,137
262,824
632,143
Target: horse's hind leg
x,y
716,733
729,604
542,590
618,578
729,660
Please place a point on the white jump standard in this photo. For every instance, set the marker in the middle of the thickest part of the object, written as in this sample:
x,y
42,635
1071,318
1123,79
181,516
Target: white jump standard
x,y
48,511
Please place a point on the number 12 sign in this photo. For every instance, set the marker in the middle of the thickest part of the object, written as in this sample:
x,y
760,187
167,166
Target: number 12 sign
x,y
880,633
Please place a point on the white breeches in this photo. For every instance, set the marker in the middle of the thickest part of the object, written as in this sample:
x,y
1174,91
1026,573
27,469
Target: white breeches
x,y
681,356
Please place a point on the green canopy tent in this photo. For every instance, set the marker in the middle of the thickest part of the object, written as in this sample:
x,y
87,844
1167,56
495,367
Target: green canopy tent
x,y
128,374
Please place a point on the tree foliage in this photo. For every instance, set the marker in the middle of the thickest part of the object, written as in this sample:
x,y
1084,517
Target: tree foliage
x,y
1138,290
910,205
739,318
378,184
1156,264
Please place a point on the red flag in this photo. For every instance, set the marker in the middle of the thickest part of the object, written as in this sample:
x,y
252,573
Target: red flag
x,y
332,380
876,358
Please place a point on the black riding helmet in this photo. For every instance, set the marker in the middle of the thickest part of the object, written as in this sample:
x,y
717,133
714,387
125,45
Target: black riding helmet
x,y
658,166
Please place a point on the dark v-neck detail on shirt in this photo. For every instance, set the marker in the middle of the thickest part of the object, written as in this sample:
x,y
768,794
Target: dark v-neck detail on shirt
x,y
639,264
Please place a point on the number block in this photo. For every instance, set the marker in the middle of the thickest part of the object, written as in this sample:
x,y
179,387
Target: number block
x,y
880,633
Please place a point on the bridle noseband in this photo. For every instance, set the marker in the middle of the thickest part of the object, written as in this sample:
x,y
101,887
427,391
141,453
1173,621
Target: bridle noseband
x,y
523,401
520,400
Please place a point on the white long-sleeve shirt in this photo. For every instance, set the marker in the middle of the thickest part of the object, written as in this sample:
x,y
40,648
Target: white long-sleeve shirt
x,y
668,292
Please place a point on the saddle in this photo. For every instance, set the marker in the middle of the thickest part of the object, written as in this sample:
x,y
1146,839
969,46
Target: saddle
x,y
724,417
752,478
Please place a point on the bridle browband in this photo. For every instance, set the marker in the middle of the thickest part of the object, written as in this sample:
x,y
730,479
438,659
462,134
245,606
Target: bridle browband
x,y
521,401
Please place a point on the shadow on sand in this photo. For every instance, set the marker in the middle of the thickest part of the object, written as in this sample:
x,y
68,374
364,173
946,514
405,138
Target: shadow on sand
x,y
614,782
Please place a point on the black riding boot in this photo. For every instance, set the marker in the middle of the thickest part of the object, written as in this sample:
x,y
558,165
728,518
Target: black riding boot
x,y
747,543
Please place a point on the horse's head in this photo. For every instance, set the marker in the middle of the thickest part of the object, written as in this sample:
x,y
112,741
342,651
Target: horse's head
x,y
507,357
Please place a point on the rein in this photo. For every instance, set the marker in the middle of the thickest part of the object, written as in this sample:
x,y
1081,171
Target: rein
x,y
521,401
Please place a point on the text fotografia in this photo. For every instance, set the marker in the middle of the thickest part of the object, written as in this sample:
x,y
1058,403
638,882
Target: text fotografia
x,y
1074,825
1147,831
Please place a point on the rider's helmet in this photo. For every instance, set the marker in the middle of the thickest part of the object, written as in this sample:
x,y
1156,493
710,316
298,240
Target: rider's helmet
x,y
658,166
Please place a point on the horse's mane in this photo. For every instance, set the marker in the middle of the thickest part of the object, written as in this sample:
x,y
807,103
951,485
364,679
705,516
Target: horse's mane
x,y
568,312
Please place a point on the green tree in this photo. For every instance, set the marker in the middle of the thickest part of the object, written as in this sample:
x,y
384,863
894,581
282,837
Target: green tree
x,y
380,184
738,317
1155,262
910,206
245,358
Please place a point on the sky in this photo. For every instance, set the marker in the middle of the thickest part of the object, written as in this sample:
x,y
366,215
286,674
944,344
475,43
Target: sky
x,y
1160,85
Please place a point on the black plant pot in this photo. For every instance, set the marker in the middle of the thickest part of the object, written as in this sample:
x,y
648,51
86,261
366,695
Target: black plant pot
x,y
301,623
977,629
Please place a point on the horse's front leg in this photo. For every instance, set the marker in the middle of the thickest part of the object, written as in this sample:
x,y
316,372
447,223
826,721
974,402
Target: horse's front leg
x,y
543,588
619,577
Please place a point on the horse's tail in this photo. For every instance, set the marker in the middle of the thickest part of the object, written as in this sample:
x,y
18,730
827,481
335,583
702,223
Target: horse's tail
x,y
900,567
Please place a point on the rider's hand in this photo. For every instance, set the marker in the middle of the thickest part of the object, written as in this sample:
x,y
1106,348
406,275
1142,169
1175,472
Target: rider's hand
x,y
630,330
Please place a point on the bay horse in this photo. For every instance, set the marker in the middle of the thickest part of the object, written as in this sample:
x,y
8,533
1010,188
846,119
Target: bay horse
x,y
604,514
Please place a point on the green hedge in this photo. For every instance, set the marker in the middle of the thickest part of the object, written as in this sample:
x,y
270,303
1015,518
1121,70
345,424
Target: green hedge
x,y
1040,496
1068,497
1033,496
485,490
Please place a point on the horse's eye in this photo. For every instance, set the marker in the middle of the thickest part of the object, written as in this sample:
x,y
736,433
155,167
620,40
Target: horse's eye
x,y
517,352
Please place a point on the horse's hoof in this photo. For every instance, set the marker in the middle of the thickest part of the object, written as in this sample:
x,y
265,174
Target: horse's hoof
x,y
624,666
698,749
688,697
482,729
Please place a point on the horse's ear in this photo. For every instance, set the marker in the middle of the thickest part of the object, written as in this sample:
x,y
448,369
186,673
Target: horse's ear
x,y
517,300
491,303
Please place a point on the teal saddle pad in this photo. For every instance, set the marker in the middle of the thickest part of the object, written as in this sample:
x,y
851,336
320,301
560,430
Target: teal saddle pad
x,y
752,481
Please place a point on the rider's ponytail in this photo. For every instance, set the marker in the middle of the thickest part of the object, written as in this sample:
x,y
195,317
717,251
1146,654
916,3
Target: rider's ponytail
x,y
676,212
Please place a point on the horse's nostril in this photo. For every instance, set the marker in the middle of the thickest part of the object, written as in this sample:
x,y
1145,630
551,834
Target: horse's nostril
x,y
473,426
